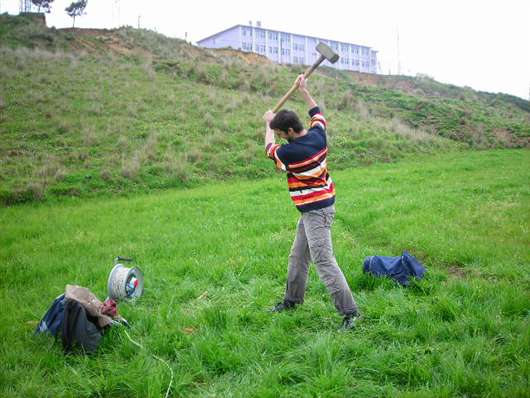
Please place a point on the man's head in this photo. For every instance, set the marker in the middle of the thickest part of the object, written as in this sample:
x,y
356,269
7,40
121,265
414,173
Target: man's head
x,y
287,124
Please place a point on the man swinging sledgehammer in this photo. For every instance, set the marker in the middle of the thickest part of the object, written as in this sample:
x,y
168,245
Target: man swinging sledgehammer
x,y
313,193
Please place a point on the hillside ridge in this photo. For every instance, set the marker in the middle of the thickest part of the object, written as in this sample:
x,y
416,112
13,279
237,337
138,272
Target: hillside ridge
x,y
91,111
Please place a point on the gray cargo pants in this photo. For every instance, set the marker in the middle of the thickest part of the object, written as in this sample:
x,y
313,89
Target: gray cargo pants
x,y
313,242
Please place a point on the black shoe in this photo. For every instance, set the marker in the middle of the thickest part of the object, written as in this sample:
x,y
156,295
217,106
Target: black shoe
x,y
283,305
348,323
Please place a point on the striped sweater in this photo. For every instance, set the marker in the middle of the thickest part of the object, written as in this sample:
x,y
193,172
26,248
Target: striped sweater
x,y
304,160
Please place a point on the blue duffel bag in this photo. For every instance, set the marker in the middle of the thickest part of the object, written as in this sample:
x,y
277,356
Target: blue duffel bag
x,y
52,322
399,268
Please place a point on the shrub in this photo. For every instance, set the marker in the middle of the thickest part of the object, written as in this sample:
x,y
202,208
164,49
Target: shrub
x,y
88,135
105,174
177,166
131,167
149,70
209,120
48,169
346,101
362,109
151,146
37,189
60,174
16,196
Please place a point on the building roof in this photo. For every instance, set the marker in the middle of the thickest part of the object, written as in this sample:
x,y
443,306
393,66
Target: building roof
x,y
218,33
279,31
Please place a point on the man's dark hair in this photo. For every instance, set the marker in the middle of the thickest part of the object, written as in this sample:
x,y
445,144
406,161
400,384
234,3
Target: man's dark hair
x,y
285,119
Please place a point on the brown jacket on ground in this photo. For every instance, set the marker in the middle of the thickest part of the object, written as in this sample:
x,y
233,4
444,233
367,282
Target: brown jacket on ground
x,y
89,301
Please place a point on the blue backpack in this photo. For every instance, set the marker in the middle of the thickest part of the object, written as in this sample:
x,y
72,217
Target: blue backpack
x,y
399,268
68,318
52,322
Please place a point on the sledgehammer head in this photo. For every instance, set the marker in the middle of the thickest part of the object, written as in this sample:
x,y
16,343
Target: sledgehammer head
x,y
327,53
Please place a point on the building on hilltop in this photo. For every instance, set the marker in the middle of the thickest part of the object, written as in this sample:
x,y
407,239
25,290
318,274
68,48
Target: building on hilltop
x,y
290,48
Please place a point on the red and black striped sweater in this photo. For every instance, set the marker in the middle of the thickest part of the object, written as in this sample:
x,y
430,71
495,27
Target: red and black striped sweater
x,y
304,160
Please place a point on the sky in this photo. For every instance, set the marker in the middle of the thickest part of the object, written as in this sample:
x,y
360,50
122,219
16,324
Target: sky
x,y
483,44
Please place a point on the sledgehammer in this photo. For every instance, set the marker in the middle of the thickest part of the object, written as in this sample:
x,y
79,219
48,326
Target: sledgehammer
x,y
325,53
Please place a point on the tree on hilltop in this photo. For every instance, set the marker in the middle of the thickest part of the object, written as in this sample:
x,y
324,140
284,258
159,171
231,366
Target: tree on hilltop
x,y
44,4
76,9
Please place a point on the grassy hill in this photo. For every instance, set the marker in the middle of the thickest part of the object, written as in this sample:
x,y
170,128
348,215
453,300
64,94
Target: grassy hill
x,y
214,269
88,112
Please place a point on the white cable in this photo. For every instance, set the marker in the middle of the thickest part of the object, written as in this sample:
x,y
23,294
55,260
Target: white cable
x,y
118,278
156,357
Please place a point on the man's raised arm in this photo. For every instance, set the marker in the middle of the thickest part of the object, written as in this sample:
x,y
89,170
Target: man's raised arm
x,y
269,133
300,80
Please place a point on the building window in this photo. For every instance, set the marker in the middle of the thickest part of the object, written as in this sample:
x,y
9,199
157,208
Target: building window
x,y
298,47
299,60
273,35
286,51
261,48
247,46
273,50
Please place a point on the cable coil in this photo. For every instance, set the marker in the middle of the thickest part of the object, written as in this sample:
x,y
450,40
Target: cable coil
x,y
125,283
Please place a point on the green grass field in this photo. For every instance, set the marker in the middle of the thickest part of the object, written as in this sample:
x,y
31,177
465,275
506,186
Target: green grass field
x,y
214,258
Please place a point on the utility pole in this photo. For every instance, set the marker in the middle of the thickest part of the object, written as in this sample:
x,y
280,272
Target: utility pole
x,y
139,21
398,55
116,13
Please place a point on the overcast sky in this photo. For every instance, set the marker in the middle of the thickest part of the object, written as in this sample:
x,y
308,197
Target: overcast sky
x,y
484,44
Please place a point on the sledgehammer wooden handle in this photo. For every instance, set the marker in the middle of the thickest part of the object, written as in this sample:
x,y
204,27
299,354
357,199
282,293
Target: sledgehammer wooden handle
x,y
307,73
